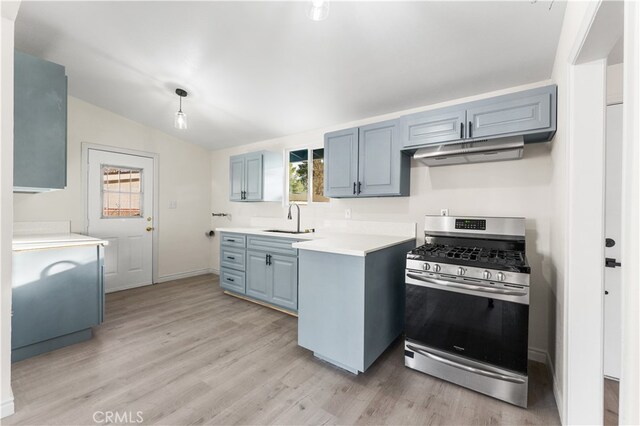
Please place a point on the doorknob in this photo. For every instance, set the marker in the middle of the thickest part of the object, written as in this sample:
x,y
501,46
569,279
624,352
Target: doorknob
x,y
150,228
149,219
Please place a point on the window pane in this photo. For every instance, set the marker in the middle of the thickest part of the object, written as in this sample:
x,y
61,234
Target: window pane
x,y
318,176
298,175
121,192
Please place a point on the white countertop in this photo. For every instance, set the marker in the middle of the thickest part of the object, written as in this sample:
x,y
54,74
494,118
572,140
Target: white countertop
x,y
47,241
351,244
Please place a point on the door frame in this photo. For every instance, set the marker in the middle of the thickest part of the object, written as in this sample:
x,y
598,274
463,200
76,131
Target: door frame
x,y
86,146
583,299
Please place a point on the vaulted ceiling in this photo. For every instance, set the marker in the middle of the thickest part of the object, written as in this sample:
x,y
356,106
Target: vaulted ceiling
x,y
259,70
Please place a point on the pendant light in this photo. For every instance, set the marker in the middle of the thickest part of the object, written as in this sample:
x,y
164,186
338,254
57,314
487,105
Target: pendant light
x,y
180,121
318,10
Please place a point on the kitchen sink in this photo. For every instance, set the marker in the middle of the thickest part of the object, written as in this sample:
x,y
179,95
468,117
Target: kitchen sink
x,y
283,231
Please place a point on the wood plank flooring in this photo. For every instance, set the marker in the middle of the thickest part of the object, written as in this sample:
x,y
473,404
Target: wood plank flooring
x,y
183,352
611,402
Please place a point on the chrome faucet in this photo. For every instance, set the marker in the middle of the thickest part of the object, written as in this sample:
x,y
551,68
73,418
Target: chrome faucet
x,y
290,217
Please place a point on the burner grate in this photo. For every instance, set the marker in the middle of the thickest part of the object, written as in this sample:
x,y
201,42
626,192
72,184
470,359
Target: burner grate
x,y
477,254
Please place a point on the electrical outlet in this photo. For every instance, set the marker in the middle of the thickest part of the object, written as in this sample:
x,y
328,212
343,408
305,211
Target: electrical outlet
x,y
347,213
444,212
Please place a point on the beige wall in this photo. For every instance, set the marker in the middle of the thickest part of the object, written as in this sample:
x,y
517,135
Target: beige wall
x,y
184,174
512,188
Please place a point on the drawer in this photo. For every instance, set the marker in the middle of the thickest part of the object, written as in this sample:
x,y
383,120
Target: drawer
x,y
233,240
272,245
232,258
232,280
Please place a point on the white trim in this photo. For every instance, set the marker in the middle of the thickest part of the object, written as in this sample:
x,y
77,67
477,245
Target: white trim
x,y
188,274
7,408
86,146
556,390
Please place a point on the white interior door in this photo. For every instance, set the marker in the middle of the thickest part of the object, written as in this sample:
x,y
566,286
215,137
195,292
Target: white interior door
x,y
119,209
613,233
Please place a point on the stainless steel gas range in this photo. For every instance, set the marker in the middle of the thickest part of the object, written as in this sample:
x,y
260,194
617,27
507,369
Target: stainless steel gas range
x,y
467,305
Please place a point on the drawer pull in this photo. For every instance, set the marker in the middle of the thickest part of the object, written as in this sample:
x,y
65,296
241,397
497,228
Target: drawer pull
x,y
230,279
231,258
231,240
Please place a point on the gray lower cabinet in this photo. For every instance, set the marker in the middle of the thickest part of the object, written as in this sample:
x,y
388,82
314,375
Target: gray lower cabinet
x,y
57,296
40,125
529,113
262,268
366,162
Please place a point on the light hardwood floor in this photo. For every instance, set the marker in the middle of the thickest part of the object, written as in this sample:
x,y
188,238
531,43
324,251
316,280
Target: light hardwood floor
x,y
182,352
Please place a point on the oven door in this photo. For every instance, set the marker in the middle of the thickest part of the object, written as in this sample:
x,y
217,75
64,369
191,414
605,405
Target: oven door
x,y
468,319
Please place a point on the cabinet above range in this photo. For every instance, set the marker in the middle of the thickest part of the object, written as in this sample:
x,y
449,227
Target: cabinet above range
x,y
256,176
530,114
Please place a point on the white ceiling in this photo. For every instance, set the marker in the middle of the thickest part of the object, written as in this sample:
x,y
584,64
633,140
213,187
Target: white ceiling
x,y
258,70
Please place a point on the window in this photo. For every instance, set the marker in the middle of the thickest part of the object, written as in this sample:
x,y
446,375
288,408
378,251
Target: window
x,y
304,184
121,192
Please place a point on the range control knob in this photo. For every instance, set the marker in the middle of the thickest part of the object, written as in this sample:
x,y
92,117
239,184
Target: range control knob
x,y
436,268
486,275
500,276
426,266
461,271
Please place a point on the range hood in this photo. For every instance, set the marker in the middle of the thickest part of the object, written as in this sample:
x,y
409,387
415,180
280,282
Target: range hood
x,y
478,151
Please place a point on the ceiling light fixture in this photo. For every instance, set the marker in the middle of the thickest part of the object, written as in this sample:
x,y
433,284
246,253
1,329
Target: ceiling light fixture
x,y
180,121
318,10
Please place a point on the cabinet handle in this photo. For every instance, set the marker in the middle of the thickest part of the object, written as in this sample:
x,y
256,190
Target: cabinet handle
x,y
231,258
230,240
470,129
461,130
354,188
230,279
359,187
266,259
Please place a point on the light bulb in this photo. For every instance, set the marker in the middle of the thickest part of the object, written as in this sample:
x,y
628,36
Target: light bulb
x,y
180,121
318,10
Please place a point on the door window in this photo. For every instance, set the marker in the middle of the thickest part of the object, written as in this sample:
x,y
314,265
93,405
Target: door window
x,y
121,192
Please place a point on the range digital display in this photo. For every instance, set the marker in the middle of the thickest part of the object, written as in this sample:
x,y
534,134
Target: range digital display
x,y
473,224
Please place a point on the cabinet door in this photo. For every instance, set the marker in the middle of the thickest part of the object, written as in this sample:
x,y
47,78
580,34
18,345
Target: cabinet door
x,y
40,124
341,163
236,177
253,177
518,113
283,272
257,282
379,159
429,127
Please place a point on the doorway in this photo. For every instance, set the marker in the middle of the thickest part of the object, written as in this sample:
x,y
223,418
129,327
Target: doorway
x,y
120,207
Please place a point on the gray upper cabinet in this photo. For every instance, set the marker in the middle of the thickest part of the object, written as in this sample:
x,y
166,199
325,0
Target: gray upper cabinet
x,y
437,126
341,163
253,177
383,170
511,114
236,178
257,176
530,113
366,162
40,125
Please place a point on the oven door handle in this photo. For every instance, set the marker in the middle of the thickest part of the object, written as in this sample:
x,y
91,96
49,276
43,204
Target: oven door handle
x,y
480,371
466,286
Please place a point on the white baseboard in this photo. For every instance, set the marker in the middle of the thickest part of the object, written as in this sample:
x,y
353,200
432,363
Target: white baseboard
x,y
538,355
187,274
557,394
7,408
